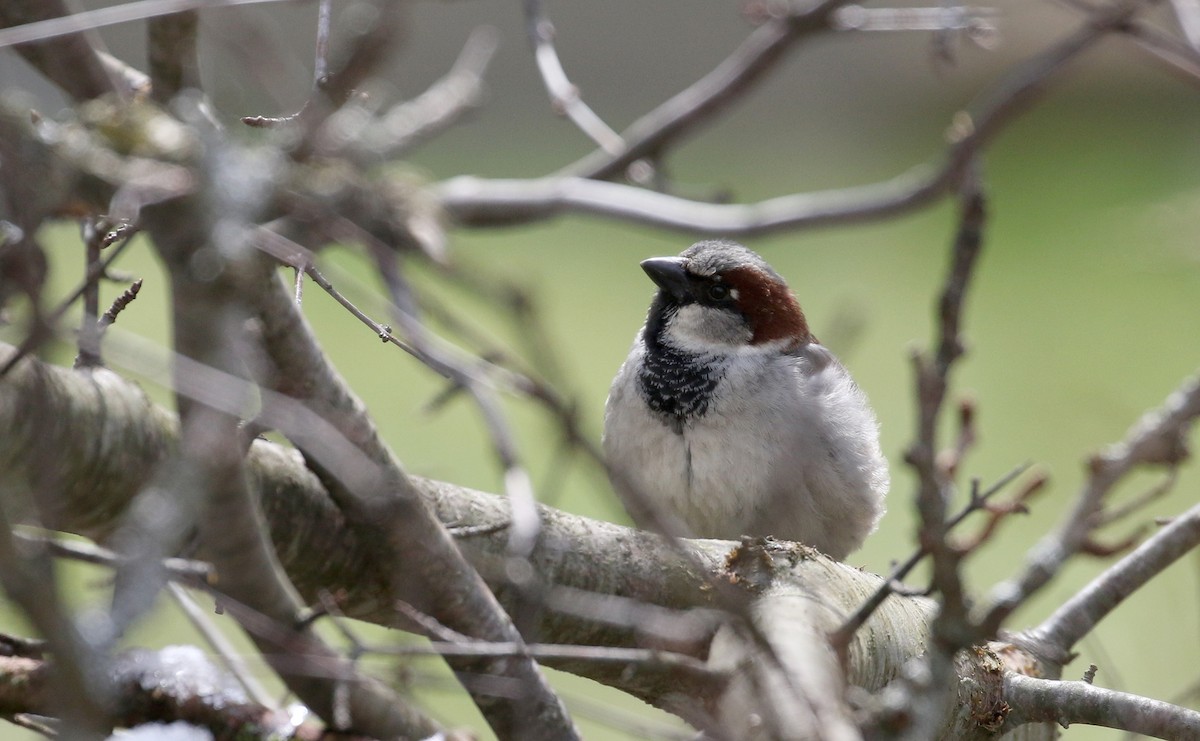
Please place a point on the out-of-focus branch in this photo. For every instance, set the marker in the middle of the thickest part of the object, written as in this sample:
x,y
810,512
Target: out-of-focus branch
x,y
1188,13
207,477
76,689
735,75
1180,56
355,132
402,528
146,694
478,202
626,572
1037,700
220,643
195,573
171,54
55,26
71,61
564,95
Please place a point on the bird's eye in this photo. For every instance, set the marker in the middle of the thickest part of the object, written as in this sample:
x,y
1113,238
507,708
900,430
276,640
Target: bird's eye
x,y
718,292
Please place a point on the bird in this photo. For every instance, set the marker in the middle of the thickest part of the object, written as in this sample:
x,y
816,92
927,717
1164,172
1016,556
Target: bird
x,y
730,418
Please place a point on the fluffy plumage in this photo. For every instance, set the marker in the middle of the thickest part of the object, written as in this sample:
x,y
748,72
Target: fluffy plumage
x,y
729,415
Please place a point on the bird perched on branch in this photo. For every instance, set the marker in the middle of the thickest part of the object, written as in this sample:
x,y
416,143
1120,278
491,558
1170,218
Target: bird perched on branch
x,y
730,418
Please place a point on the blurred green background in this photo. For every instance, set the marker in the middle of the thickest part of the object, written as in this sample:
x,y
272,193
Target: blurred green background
x,y
1085,310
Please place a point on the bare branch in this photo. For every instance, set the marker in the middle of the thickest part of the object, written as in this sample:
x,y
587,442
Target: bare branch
x,y
70,60
1188,13
355,133
321,53
224,649
402,524
734,76
1079,615
564,96
119,303
207,477
476,202
1037,700
95,272
978,501
1158,438
52,28
151,688
195,573
171,53
77,690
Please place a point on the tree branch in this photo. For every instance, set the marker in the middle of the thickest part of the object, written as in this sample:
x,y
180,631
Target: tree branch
x,y
72,61
1037,700
171,53
1080,614
1158,438
626,573
478,202
208,479
696,105
148,690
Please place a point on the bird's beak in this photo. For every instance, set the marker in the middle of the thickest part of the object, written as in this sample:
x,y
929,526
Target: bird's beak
x,y
669,275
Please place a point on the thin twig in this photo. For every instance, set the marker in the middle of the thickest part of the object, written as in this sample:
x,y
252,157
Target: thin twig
x,y
321,54
225,651
196,573
95,272
564,95
89,333
367,139
524,523
693,668
932,383
119,303
27,721
1109,515
734,76
979,500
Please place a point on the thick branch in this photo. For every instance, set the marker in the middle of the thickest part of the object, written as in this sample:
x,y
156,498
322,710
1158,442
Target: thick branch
x,y
208,475
599,571
397,525
152,689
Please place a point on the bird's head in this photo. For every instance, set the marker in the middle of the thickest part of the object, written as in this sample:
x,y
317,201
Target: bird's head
x,y
719,297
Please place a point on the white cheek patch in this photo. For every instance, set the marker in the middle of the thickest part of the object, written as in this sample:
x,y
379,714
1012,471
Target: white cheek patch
x,y
699,328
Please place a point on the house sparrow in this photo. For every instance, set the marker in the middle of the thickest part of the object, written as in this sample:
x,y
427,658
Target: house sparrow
x,y
729,417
